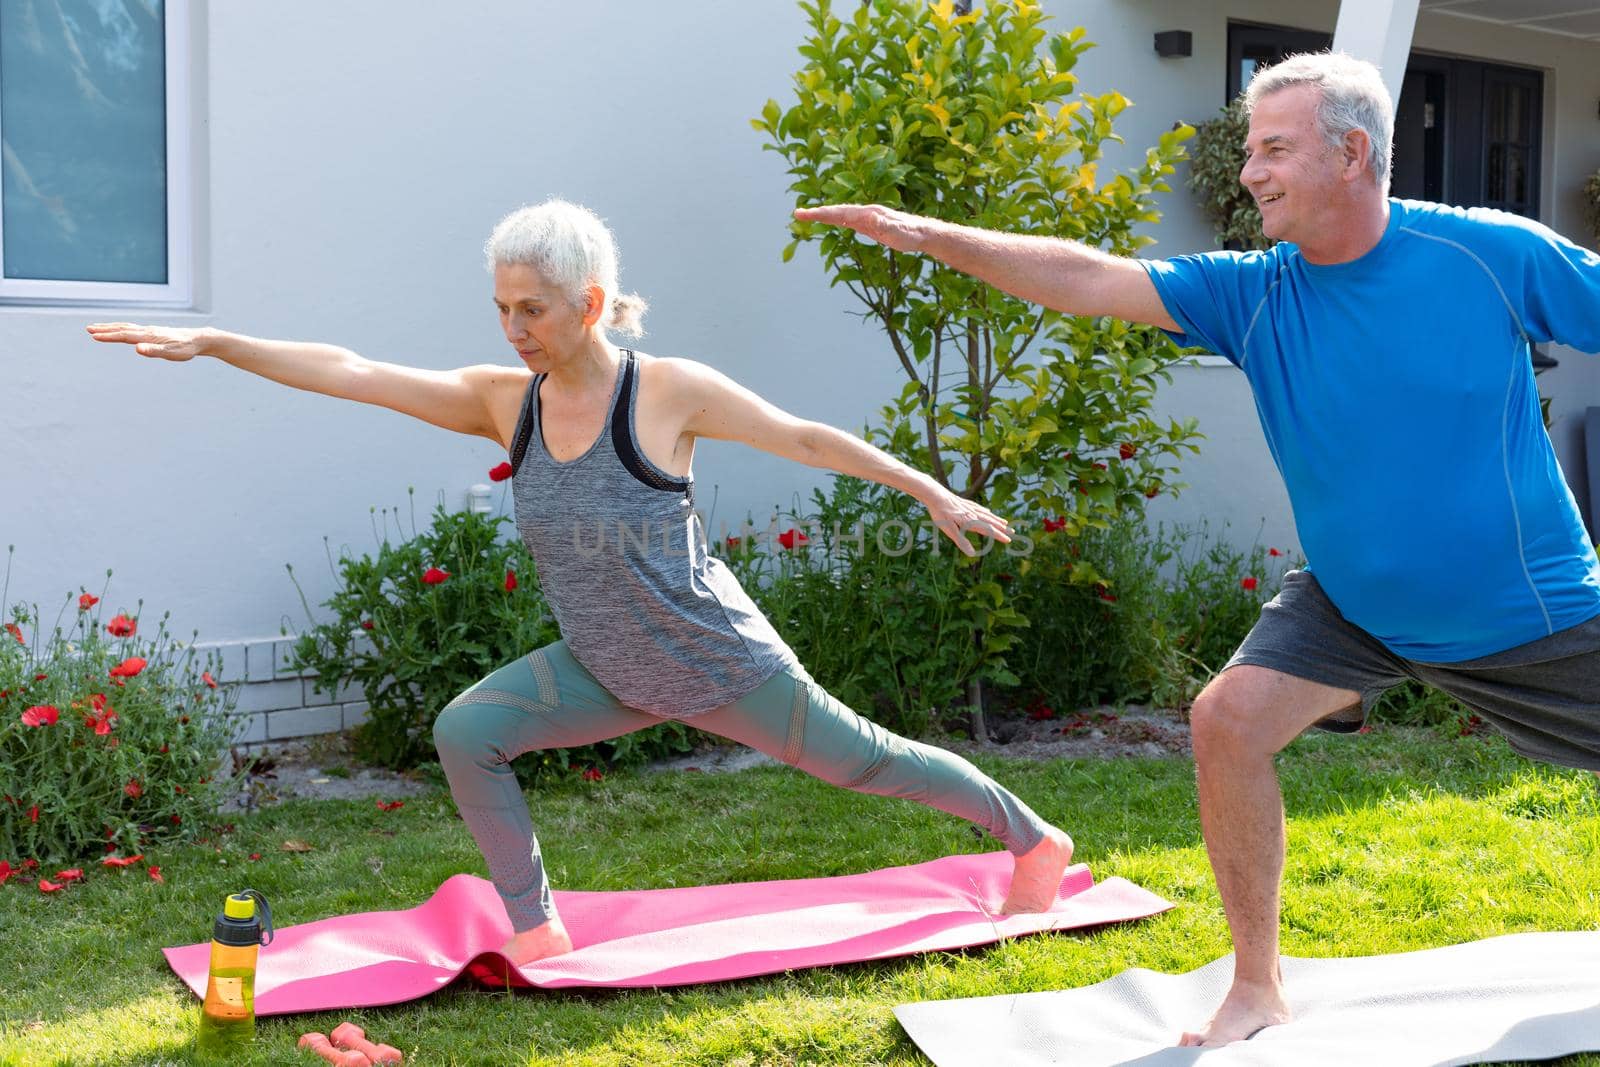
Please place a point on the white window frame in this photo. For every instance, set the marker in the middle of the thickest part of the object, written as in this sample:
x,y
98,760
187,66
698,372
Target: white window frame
x,y
178,290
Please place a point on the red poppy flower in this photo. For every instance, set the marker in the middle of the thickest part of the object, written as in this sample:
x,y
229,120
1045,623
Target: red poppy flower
x,y
72,874
254,856
101,722
85,602
390,805
1273,552
121,861
33,816
177,820
47,886
15,631
163,750
122,626
1100,466
733,544
205,676
500,472
155,873
792,537
434,576
41,677
1248,584
30,865
1104,594
591,774
366,624
41,715
1052,525
97,701
134,788
1041,711
6,871
511,581
1127,451
129,667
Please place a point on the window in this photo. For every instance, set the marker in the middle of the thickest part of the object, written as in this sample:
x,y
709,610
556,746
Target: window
x,y
1252,47
94,190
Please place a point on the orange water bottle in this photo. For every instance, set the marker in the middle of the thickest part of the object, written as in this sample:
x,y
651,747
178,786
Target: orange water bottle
x,y
228,1016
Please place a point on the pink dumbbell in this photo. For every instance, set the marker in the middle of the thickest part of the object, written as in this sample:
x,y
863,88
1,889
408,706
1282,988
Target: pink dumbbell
x,y
318,1043
351,1036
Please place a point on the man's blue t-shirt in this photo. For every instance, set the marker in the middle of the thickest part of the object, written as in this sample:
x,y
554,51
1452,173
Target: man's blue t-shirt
x,y
1397,397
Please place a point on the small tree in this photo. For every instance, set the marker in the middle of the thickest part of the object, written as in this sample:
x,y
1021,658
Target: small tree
x,y
962,117
1214,165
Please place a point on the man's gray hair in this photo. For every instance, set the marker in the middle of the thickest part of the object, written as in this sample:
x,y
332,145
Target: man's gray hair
x,y
573,250
1353,97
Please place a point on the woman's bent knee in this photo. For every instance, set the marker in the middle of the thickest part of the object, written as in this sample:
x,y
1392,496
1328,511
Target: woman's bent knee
x,y
455,734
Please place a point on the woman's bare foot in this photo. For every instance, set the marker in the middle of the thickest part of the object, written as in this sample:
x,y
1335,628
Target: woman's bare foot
x,y
542,942
1036,879
1248,1007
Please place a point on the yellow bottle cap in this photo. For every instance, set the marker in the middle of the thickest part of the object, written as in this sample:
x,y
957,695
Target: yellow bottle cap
x,y
240,906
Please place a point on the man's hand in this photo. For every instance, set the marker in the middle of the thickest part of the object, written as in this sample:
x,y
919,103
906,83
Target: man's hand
x,y
957,516
160,342
890,228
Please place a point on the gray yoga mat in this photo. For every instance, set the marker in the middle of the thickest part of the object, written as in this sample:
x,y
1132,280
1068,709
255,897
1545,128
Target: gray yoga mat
x,y
1517,997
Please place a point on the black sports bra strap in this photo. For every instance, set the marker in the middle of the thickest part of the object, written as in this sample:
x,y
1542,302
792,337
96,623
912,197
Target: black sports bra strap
x,y
519,444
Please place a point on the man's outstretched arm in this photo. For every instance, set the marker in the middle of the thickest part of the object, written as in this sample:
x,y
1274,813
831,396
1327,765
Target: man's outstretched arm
x,y
1065,275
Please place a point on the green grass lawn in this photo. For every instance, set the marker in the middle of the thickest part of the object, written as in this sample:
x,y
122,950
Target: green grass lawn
x,y
1397,840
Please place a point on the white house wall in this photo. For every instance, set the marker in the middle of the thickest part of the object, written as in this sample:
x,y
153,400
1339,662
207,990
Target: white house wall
x,y
359,153
352,158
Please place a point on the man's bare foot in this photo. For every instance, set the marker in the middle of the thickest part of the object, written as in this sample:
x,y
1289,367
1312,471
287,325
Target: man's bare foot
x,y
1036,878
1248,1007
542,942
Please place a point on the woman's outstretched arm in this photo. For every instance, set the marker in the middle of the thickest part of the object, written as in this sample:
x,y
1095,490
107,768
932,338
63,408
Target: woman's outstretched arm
x,y
722,409
454,399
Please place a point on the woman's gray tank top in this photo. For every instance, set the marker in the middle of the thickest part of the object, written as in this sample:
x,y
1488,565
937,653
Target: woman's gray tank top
x,y
622,561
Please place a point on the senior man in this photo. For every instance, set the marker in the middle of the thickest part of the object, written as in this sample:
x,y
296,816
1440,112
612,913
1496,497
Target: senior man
x,y
1387,346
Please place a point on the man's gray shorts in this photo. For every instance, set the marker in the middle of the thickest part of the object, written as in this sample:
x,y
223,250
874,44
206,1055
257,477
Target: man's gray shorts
x,y
1544,696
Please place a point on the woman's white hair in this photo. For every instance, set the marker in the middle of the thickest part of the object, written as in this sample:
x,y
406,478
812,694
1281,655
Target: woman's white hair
x,y
569,245
1352,97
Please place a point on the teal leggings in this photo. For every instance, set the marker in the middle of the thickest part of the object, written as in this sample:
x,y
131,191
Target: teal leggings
x,y
548,700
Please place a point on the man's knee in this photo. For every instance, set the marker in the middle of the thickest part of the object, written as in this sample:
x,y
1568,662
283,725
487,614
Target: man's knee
x,y
1254,711
1221,721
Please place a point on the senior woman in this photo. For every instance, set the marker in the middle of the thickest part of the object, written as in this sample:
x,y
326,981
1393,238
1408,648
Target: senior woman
x,y
601,440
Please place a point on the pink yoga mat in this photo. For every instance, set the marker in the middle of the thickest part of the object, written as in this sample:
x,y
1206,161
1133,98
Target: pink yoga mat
x,y
663,937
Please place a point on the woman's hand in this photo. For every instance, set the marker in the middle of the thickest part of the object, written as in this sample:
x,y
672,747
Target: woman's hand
x,y
157,342
957,516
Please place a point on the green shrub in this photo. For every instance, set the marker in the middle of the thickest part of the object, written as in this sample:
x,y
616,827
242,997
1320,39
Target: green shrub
x,y
1089,643
878,605
1117,615
110,740
429,616
1415,704
1214,591
1170,608
1215,161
